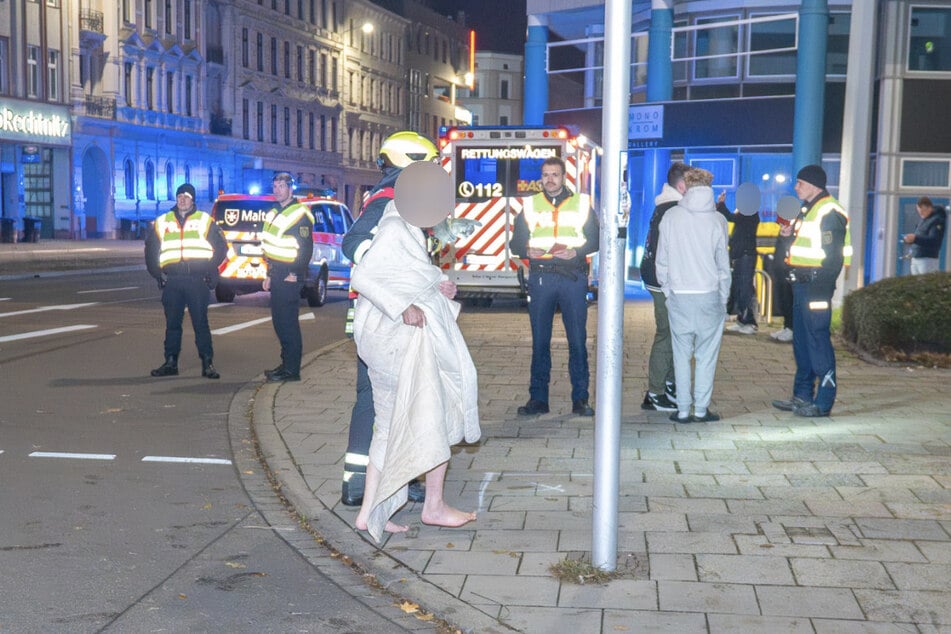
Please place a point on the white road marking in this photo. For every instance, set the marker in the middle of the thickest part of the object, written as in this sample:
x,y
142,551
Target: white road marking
x,y
189,460
46,308
220,305
255,322
108,290
78,456
486,479
5,299
47,332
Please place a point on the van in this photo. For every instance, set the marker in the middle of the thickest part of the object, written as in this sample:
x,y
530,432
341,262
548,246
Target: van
x,y
242,217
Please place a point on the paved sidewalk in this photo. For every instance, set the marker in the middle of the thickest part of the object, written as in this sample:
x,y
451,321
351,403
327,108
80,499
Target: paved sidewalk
x,y
762,522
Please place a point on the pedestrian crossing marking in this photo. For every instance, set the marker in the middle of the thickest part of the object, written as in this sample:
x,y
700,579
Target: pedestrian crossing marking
x,y
47,332
254,322
46,308
76,456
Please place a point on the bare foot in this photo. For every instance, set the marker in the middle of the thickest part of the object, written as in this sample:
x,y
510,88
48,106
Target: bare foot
x,y
391,527
446,515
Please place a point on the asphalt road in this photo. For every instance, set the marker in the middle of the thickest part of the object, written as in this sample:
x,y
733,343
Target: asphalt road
x,y
121,508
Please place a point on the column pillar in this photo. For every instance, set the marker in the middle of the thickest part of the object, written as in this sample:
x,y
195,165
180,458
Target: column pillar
x,y
536,71
810,83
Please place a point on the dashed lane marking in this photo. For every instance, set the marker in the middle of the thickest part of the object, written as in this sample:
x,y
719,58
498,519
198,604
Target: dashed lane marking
x,y
47,308
76,456
108,290
5,299
47,332
184,459
249,324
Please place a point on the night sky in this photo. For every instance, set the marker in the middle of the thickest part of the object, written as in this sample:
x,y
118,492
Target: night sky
x,y
499,24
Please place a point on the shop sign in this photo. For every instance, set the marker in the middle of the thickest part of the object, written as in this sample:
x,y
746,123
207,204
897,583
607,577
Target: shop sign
x,y
34,122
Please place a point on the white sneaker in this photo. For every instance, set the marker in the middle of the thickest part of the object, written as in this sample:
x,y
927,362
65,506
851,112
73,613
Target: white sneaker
x,y
742,329
784,335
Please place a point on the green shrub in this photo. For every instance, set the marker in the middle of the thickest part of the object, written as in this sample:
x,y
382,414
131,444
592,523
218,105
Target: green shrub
x,y
907,318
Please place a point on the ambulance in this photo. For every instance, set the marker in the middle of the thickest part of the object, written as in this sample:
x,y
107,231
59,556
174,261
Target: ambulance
x,y
241,218
493,169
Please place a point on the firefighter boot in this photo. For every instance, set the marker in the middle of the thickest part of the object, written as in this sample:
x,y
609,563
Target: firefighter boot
x,y
169,368
208,369
353,486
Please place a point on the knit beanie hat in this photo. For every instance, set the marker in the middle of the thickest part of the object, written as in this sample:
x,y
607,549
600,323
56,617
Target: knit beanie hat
x,y
814,175
187,189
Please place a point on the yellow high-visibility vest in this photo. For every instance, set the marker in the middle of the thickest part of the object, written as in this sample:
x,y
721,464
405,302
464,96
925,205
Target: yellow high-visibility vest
x,y
563,224
275,241
181,242
806,250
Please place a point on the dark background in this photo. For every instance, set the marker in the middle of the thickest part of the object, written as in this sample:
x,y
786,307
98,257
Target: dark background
x,y
499,24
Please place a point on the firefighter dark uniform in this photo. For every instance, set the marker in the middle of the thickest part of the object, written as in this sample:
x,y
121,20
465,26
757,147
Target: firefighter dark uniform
x,y
287,239
553,283
821,247
183,252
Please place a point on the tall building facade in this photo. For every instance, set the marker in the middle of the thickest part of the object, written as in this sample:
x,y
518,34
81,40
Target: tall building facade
x,y
752,90
36,131
496,98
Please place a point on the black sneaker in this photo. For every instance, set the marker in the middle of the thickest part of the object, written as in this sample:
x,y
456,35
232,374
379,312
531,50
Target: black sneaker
x,y
533,408
351,493
658,402
581,407
709,417
670,389
792,404
810,411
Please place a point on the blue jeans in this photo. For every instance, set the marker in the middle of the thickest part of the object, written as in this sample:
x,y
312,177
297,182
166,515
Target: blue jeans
x,y
812,346
547,292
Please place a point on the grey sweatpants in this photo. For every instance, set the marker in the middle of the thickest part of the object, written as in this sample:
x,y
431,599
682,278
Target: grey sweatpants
x,y
696,329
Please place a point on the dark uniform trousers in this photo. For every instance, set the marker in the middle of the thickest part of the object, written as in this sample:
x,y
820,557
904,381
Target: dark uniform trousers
x,y
547,292
361,421
812,345
180,291
285,315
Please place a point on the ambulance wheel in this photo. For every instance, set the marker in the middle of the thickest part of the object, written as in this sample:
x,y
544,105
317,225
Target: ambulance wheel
x,y
224,293
316,295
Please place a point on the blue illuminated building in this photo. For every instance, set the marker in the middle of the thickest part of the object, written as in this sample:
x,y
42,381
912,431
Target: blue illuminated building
x,y
754,90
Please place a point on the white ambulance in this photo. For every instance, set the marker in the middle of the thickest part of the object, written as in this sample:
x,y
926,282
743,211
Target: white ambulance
x,y
493,169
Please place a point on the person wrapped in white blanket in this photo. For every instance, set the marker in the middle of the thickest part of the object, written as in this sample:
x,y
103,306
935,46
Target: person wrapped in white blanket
x,y
425,389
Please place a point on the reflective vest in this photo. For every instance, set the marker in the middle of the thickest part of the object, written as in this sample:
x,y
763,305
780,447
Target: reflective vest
x,y
183,242
277,244
806,250
564,224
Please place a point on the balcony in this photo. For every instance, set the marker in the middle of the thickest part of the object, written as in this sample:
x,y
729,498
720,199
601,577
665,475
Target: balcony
x,y
220,125
102,107
90,20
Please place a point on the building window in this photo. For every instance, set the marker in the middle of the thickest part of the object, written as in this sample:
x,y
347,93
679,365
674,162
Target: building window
x,y
32,71
187,18
273,124
919,173
287,60
310,130
245,119
129,177
323,70
300,63
188,95
127,82
503,120
245,48
323,133
149,88
312,67
929,43
766,36
149,180
260,121
274,56
333,134
211,185
169,17
259,44
53,74
169,181
287,126
504,89
148,14
188,173
333,74
4,65
169,89
221,180
300,128
715,42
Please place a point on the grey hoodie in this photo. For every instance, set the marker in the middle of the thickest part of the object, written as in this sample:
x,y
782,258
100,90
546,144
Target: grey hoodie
x,y
692,252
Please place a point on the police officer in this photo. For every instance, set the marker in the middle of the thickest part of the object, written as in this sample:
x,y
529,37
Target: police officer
x,y
397,151
182,253
287,239
556,231
820,248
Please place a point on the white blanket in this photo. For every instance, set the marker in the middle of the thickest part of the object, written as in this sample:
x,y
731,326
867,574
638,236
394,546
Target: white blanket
x,y
425,388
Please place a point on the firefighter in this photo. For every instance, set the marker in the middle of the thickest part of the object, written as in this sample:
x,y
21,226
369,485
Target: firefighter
x,y
397,151
183,252
819,250
287,239
556,231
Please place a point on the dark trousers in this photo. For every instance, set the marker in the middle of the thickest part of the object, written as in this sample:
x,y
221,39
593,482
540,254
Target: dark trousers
x,y
285,315
361,423
548,292
191,291
812,346
743,290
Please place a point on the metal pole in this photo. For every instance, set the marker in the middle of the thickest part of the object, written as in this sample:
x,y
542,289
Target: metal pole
x,y
607,431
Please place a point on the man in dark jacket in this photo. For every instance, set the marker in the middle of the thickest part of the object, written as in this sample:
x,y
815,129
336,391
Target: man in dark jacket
x,y
183,252
742,302
927,239
661,391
